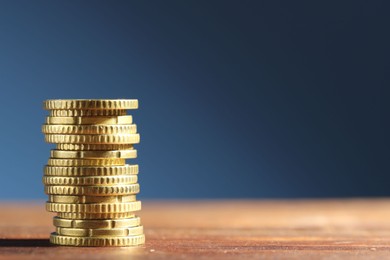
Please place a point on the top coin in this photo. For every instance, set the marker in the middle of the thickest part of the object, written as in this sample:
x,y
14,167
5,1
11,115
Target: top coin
x,y
106,104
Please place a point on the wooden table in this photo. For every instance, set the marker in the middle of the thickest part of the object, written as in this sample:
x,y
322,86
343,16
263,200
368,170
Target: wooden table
x,y
296,229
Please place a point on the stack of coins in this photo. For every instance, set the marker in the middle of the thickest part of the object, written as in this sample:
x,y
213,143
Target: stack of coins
x,y
90,186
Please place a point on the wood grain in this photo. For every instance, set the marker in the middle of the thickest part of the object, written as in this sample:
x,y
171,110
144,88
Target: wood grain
x,y
228,229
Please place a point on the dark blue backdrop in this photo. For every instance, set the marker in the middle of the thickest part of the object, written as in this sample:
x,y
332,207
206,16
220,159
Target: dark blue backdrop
x,y
237,98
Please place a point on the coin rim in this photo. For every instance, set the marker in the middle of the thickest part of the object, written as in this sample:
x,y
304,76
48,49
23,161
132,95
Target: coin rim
x,y
89,181
129,189
89,129
86,162
90,104
95,216
93,223
93,139
76,171
94,207
115,154
97,241
94,232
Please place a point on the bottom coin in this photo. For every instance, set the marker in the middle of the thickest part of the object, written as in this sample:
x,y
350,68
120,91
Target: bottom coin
x,y
100,232
97,241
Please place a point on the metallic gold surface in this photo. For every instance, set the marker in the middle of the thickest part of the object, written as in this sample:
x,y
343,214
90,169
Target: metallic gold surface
x,y
89,112
110,215
91,199
91,181
129,189
94,207
89,129
86,162
83,104
90,186
104,223
93,147
125,154
101,232
89,120
126,169
93,139
97,241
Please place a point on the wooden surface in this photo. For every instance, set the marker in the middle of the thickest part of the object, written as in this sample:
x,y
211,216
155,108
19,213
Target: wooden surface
x,y
328,229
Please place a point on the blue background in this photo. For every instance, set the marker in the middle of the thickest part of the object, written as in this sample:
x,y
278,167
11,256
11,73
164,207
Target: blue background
x,y
237,98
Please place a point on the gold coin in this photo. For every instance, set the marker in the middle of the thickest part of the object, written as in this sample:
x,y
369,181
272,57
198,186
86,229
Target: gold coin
x,y
91,181
86,162
93,139
89,112
93,147
126,169
89,120
83,104
97,241
94,207
101,223
91,199
93,190
110,215
101,232
125,154
89,129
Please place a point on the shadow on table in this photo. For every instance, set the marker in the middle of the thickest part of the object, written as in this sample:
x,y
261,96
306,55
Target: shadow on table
x,y
33,242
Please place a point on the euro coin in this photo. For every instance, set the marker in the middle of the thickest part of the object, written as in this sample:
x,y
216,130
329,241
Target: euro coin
x,y
89,112
93,139
86,162
125,154
110,215
101,232
94,207
91,181
89,120
129,189
89,129
91,199
97,241
101,223
93,147
84,104
126,169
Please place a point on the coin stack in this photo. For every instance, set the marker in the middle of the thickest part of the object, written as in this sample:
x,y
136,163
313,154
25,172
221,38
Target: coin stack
x,y
90,186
